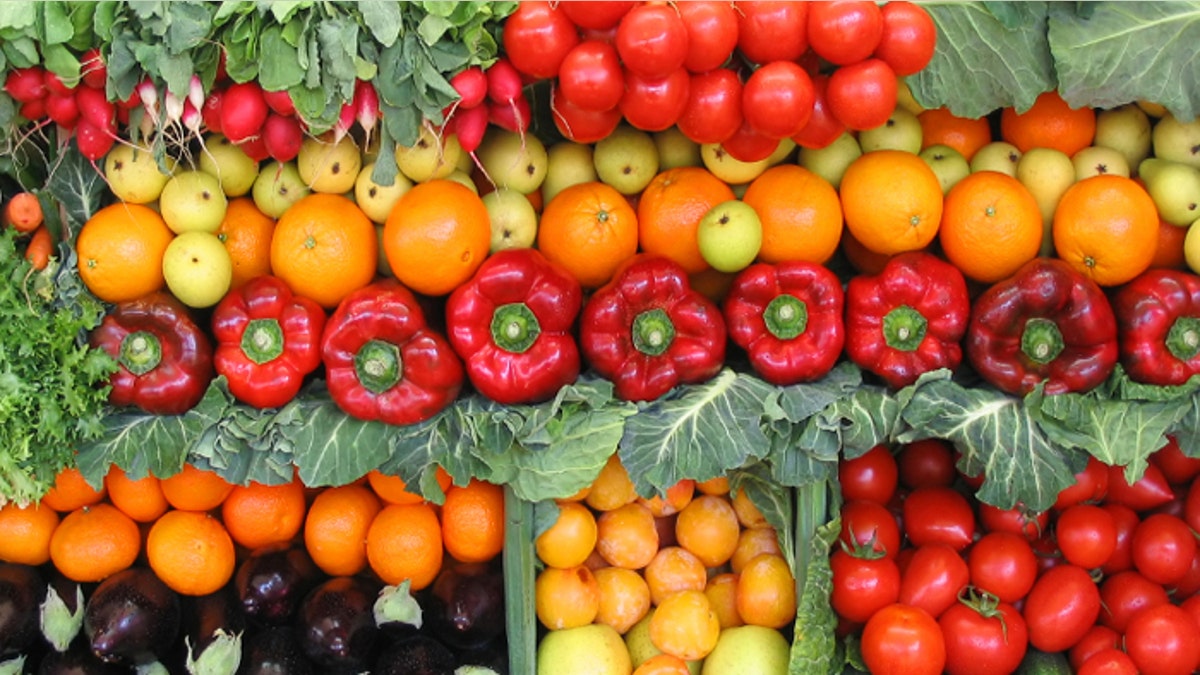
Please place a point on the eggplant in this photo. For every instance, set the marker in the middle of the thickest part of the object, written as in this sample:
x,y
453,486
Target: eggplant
x,y
132,618
213,626
78,659
274,651
22,588
272,581
336,624
416,655
465,606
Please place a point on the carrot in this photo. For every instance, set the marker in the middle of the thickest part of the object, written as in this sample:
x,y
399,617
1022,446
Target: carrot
x,y
40,248
23,211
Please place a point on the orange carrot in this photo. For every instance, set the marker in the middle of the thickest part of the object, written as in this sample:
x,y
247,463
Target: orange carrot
x,y
40,248
23,211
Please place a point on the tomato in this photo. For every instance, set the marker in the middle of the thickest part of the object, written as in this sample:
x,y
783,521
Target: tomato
x,y
1091,485
1061,607
772,31
1191,506
591,77
579,125
1108,662
901,639
1189,585
983,641
714,109
1192,606
871,476
1046,550
1125,519
748,145
1003,564
777,99
596,14
933,578
909,37
537,37
1086,535
1125,594
1163,548
871,524
862,585
926,462
1018,520
1177,468
654,104
822,128
863,95
1164,640
1148,492
938,514
652,40
1098,638
712,30
844,32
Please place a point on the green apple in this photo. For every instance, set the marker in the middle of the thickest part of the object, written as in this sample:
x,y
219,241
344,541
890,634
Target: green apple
x,y
133,175
277,187
229,163
905,99
748,650
512,160
1046,173
329,167
429,157
513,219
1175,189
830,162
464,178
1177,140
675,149
594,649
729,168
1126,129
192,201
377,200
197,269
626,159
782,152
901,131
948,165
996,156
729,236
1097,160
1191,248
569,163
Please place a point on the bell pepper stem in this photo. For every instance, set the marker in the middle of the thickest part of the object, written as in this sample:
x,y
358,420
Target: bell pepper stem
x,y
141,352
263,340
904,328
653,332
515,327
1183,339
378,366
1041,341
786,317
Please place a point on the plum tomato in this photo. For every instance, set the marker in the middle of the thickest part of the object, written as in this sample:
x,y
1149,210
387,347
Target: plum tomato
x,y
1146,493
870,524
1125,519
863,95
777,99
1060,608
714,108
1091,485
654,104
872,475
712,30
822,128
938,514
927,462
1003,564
1163,548
591,76
1164,640
596,14
1110,661
1177,467
1019,519
903,639
933,577
1125,594
1097,638
1086,535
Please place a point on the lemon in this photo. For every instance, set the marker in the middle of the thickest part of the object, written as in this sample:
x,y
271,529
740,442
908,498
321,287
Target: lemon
x,y
197,268
594,649
1191,247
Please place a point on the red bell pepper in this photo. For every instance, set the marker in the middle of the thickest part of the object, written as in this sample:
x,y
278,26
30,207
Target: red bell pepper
x,y
647,330
1045,323
908,319
788,318
383,362
164,360
268,340
1158,326
512,324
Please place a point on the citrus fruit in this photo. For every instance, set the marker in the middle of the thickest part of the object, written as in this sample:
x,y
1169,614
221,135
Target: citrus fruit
x,y
1106,227
436,236
892,201
566,598
1049,123
670,208
94,542
25,532
939,126
473,521
590,229
405,542
258,515
991,225
191,552
194,489
140,499
335,529
70,491
324,247
246,233
120,252
800,214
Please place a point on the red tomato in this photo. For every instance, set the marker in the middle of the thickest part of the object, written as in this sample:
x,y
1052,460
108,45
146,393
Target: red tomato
x,y
1125,519
537,37
822,128
933,578
1098,638
863,95
772,31
938,514
1003,564
1108,662
844,32
1125,594
1163,640
983,643
1192,606
591,77
777,99
654,104
1177,468
1148,492
1046,550
903,640
1091,485
1189,585
870,524
652,40
714,109
712,30
1163,548
926,462
909,37
579,125
748,145
1086,535
1191,506
862,585
596,14
871,476
1018,520
1061,607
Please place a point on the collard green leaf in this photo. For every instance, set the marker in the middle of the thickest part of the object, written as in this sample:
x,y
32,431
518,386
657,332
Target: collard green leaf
x,y
78,186
1187,431
418,448
801,401
560,471
857,423
775,501
333,448
814,643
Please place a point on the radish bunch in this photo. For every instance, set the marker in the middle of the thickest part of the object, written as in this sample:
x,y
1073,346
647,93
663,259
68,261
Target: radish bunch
x,y
492,96
263,123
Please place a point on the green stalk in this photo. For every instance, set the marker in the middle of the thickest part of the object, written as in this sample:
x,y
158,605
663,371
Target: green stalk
x,y
519,563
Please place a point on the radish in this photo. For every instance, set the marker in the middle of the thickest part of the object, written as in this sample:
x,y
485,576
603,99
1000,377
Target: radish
x,y
63,110
33,110
94,142
282,137
470,124
243,111
195,92
191,118
26,84
148,95
94,72
95,107
280,102
504,82
512,116
366,105
471,85
210,112
55,85
255,147
173,107
345,121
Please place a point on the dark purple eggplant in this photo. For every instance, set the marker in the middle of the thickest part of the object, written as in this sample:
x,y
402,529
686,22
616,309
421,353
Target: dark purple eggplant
x,y
132,618
274,651
271,582
465,605
78,659
22,588
416,655
206,619
494,657
336,624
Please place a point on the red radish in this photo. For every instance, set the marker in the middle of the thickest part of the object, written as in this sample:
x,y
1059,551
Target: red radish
x,y
243,111
95,107
94,72
282,137
173,106
366,106
471,85
62,110
33,110
148,95
504,82
280,102
470,124
345,121
512,116
191,118
122,115
195,92
55,85
211,111
255,147
94,142
26,84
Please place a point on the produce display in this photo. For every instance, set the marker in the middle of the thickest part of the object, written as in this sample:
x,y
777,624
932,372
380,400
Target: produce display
x,y
614,338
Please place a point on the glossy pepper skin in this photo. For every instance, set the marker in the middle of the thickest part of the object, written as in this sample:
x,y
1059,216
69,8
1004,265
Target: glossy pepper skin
x,y
1046,323
1158,326
908,319
513,325
165,361
647,330
788,318
383,362
267,341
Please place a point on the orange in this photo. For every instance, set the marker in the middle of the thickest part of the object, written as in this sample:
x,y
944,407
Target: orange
x,y
626,536
324,247
247,234
678,496
991,225
393,489
194,489
669,211
709,528
766,592
25,533
590,229
663,664
892,201
674,569
405,542
140,499
566,598
335,529
473,521
1049,123
436,236
863,259
751,543
612,487
685,625
1169,252
257,515
571,539
94,542
747,511
722,595
800,213
191,552
1107,228
121,250
624,597
939,126
71,491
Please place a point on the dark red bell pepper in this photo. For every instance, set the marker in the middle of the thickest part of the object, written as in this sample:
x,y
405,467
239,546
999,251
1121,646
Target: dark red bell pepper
x,y
788,318
1046,323
907,320
513,324
268,340
164,360
383,362
647,330
1158,326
